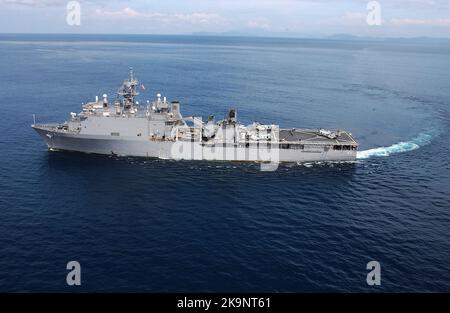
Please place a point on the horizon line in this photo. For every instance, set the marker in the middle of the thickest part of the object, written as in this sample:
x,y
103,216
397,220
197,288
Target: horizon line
x,y
343,36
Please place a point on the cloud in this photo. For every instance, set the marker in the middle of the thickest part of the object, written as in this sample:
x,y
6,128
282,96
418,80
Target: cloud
x,y
128,13
355,17
351,19
422,4
199,18
33,3
260,22
421,22
309,17
193,18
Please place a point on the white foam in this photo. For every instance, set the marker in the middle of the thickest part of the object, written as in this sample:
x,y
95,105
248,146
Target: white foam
x,y
403,146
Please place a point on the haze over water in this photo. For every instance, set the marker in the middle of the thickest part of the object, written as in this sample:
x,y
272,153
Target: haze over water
x,y
159,225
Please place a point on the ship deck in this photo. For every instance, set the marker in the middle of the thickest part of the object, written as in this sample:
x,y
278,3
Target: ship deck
x,y
54,128
314,137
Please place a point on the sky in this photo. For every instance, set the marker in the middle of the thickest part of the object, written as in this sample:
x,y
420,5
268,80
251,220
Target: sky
x,y
285,18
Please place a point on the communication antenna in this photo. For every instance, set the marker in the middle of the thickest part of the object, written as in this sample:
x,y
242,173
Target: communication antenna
x,y
131,74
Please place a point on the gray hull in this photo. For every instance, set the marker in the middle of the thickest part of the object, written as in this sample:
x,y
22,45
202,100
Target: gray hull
x,y
143,147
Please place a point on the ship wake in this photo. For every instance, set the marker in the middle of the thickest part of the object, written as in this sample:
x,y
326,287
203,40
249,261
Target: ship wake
x,y
404,146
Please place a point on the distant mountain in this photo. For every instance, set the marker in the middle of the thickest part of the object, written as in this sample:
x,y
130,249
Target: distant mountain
x,y
346,37
389,39
236,33
256,33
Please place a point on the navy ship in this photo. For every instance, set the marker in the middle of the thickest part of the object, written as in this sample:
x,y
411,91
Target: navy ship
x,y
157,129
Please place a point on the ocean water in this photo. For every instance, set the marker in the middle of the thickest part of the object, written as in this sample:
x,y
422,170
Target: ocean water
x,y
159,225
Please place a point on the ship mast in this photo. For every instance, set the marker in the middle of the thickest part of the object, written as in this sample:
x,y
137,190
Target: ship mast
x,y
128,90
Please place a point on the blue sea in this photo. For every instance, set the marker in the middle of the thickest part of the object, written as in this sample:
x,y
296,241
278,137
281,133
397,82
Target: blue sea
x,y
156,225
